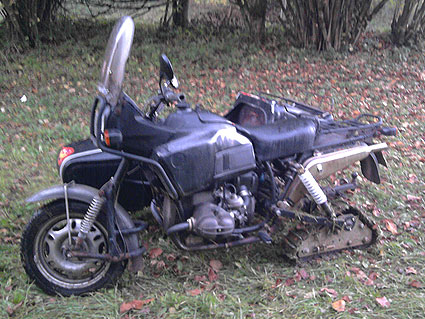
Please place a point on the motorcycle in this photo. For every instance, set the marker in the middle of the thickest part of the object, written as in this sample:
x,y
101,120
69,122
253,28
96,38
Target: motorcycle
x,y
210,181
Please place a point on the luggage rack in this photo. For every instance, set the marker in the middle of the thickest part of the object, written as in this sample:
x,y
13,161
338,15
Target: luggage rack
x,y
335,133
357,124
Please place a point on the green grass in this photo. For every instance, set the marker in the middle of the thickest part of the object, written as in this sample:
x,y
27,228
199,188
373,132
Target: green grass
x,y
59,82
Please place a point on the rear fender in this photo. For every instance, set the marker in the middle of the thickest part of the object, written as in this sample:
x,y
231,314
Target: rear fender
x,y
323,165
85,194
369,167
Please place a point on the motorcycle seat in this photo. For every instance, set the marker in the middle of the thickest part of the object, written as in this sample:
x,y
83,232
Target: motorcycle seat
x,y
283,138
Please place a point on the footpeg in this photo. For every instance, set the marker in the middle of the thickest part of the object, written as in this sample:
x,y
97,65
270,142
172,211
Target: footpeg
x,y
265,238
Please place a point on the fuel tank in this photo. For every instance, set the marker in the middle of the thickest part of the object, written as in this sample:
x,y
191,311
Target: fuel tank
x,y
206,149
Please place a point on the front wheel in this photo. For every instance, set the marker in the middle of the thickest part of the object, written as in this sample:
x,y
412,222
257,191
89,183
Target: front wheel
x,y
46,240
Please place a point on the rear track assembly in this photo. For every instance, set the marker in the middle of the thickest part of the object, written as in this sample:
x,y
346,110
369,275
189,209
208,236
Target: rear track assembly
x,y
315,240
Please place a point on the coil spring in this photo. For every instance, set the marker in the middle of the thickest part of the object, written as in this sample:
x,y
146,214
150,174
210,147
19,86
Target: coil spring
x,y
90,216
313,187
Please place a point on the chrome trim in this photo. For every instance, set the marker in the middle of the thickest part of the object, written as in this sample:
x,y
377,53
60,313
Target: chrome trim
x,y
77,155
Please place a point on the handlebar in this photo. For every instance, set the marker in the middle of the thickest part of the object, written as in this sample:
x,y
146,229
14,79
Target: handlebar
x,y
388,131
169,95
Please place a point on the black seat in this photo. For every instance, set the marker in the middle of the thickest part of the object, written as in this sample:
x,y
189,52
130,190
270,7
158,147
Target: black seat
x,y
283,138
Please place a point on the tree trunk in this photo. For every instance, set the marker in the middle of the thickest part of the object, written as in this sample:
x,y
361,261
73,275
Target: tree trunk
x,y
181,13
327,24
254,14
408,23
27,18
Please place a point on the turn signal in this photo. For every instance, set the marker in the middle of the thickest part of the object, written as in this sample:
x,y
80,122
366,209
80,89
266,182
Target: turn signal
x,y
64,153
113,138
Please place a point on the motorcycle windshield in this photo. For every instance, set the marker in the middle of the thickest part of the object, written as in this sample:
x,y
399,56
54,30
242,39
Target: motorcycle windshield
x,y
117,52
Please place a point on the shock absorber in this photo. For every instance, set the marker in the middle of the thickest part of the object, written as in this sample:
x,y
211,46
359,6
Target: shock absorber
x,y
89,218
315,190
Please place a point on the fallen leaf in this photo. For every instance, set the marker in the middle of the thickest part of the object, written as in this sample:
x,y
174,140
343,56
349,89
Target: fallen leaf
x,y
411,270
297,277
411,198
383,302
415,284
346,298
194,292
221,297
155,252
361,275
277,283
339,305
373,275
135,304
289,282
11,310
330,291
171,257
200,278
212,275
216,264
369,282
303,274
391,227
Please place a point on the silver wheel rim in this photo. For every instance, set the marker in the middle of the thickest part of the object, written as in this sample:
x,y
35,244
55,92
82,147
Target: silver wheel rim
x,y
51,243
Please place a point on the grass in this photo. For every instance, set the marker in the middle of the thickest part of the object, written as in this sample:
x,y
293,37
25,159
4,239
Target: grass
x,y
59,83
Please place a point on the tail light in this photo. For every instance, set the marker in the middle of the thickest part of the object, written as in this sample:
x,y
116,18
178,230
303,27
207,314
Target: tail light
x,y
64,153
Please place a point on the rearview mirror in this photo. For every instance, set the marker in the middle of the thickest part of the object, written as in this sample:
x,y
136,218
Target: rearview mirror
x,y
166,71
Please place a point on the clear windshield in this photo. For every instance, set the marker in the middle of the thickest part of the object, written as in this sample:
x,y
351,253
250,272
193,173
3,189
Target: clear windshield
x,y
117,52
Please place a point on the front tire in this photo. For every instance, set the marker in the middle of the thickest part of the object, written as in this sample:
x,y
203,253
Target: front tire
x,y
45,240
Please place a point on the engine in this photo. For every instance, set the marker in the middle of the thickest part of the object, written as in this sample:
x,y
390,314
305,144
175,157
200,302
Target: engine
x,y
217,214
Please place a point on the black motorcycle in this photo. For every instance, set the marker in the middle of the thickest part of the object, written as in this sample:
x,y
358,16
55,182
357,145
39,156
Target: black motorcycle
x,y
210,181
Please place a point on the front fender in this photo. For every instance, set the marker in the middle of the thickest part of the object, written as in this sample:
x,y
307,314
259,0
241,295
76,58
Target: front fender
x,y
79,192
85,194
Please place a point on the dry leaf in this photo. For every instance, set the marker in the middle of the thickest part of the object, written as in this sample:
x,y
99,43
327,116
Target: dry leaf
x,y
391,227
346,298
339,305
135,304
289,282
277,283
383,302
171,257
155,252
194,292
369,282
11,310
200,278
216,264
411,198
415,284
212,275
303,274
411,270
330,291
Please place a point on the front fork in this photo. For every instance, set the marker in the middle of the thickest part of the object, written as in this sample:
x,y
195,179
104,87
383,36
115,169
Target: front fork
x,y
107,196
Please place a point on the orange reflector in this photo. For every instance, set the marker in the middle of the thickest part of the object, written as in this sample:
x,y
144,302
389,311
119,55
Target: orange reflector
x,y
106,137
65,152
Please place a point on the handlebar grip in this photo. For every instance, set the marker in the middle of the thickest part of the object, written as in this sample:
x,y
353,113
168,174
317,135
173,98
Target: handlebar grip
x,y
388,131
170,96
